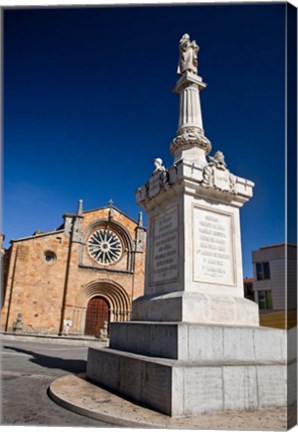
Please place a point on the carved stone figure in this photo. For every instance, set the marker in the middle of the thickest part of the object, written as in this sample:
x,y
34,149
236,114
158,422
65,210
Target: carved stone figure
x,y
188,60
111,210
17,325
162,173
159,167
216,174
66,326
218,160
103,333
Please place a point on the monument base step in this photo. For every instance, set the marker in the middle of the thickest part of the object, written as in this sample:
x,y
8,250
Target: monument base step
x,y
196,307
187,341
179,387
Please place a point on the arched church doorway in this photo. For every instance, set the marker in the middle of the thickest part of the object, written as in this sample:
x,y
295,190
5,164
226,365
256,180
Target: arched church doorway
x,y
115,297
98,311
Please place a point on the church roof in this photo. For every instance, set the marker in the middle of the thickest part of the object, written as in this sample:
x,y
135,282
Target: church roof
x,y
38,234
115,208
61,227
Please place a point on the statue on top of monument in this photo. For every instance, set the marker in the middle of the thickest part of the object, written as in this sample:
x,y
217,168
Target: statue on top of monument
x,y
188,60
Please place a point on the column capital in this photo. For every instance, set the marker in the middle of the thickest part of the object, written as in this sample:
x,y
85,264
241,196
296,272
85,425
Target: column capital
x,y
187,79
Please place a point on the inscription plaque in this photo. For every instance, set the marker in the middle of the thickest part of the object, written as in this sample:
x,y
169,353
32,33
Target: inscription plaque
x,y
164,258
213,247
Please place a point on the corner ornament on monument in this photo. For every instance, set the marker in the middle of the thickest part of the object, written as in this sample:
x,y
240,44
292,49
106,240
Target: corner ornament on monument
x,y
163,174
160,180
216,174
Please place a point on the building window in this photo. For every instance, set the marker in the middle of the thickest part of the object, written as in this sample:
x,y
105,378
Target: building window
x,y
49,257
265,299
104,246
248,291
263,271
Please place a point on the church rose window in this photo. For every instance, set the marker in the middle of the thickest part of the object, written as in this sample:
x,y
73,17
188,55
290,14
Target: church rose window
x,y
104,246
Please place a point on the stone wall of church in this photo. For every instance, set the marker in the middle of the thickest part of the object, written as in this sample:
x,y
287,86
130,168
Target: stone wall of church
x,y
34,286
52,277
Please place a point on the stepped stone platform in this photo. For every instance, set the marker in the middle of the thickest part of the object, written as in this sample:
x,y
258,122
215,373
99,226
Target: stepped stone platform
x,y
194,369
77,394
184,341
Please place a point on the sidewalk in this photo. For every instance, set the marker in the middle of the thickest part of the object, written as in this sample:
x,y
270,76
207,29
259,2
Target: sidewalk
x,y
78,395
63,340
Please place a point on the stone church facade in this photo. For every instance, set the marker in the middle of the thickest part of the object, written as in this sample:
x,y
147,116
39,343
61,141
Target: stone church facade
x,y
78,278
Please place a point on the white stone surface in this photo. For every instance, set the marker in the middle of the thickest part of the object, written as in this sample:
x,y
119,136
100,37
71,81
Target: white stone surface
x,y
269,344
188,388
196,308
203,390
240,388
272,382
178,383
238,344
205,343
193,342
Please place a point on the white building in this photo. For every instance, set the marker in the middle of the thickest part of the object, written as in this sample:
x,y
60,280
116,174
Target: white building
x,y
275,277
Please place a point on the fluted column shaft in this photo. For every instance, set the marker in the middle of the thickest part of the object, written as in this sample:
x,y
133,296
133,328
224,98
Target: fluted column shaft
x,y
190,142
190,108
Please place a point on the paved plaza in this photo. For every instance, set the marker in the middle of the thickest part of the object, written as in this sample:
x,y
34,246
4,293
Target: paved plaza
x,y
28,369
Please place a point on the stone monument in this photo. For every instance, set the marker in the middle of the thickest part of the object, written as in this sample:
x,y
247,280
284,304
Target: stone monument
x,y
193,344
194,245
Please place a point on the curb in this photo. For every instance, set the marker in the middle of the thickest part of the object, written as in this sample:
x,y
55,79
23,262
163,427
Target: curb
x,y
71,380
59,340
75,393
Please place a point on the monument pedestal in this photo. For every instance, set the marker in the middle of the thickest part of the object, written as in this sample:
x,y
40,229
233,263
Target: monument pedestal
x,y
187,369
194,259
194,344
208,309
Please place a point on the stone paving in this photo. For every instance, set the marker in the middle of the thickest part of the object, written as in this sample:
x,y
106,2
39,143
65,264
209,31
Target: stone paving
x,y
77,394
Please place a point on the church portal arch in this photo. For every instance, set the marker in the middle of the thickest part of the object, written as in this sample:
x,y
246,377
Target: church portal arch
x,y
100,296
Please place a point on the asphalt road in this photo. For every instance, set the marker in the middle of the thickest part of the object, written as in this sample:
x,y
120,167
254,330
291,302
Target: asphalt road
x,y
27,371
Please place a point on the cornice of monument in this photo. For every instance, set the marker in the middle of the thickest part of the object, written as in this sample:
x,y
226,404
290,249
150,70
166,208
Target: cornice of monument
x,y
213,180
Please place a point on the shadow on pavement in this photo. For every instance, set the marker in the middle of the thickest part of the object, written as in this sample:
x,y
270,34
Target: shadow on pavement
x,y
69,365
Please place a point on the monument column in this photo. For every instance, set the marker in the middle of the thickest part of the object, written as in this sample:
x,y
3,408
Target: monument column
x,y
190,142
194,243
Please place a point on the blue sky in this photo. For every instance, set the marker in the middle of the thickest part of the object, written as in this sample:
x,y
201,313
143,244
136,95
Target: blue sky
x,y
88,105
